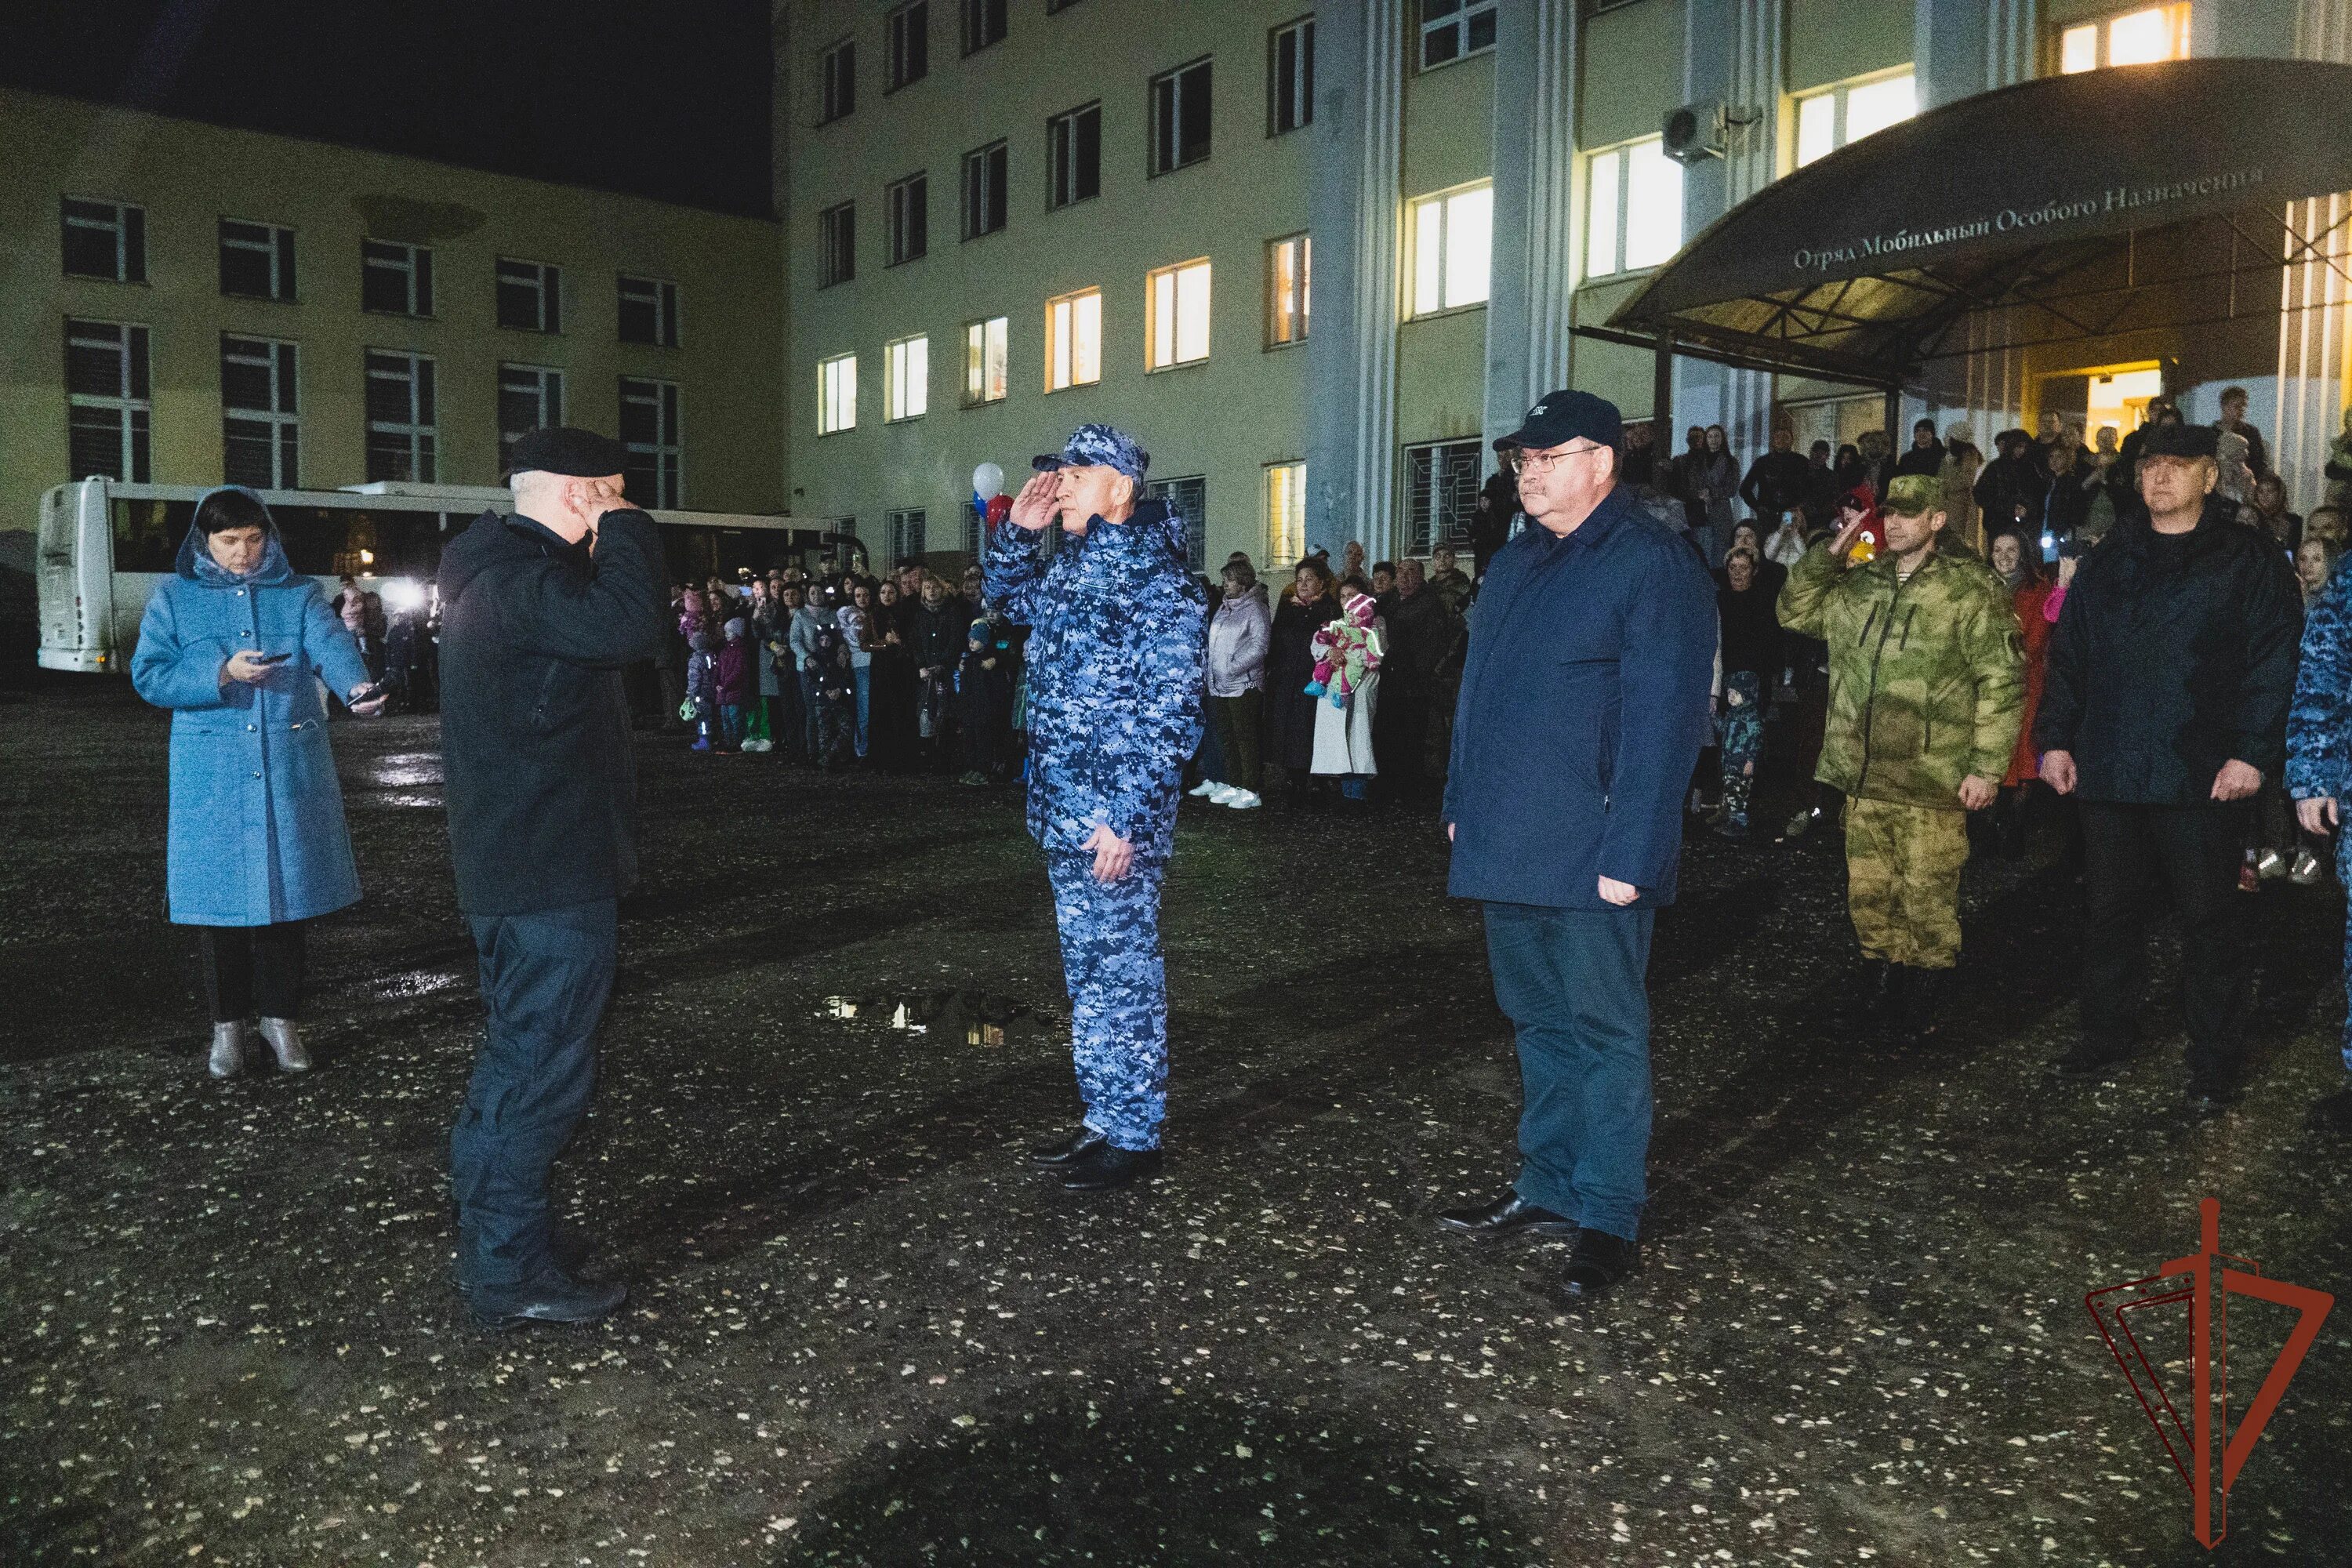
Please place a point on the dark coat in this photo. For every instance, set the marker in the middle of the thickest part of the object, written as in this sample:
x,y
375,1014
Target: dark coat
x,y
1776,483
1584,703
1290,666
534,726
1751,632
2155,678
1918,460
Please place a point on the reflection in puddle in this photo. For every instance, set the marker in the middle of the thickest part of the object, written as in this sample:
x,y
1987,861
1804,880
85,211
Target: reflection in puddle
x,y
403,770
976,1017
408,984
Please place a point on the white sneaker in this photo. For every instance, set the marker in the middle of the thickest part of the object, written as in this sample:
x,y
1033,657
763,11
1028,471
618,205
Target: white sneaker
x,y
1222,795
1243,800
1205,789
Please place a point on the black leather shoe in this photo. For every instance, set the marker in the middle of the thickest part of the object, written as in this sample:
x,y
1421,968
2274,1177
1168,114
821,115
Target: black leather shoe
x,y
1105,1165
1599,1262
1067,1150
1508,1218
550,1299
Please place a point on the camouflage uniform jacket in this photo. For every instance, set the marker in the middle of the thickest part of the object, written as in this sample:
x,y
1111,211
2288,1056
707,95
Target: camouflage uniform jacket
x,y
1926,679
1115,659
2319,725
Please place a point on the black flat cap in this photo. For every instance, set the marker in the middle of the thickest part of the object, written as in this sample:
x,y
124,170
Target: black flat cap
x,y
564,449
2181,441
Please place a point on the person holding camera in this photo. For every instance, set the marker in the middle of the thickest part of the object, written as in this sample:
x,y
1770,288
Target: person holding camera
x,y
236,644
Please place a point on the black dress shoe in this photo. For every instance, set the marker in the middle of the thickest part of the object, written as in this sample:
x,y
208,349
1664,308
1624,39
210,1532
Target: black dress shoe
x,y
1508,1218
1105,1165
1066,1150
1599,1262
550,1298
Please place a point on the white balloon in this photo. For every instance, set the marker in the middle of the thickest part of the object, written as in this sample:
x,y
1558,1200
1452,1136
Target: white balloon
x,y
988,481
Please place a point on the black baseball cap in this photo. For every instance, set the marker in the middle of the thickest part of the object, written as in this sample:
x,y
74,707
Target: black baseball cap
x,y
2181,441
569,450
1560,418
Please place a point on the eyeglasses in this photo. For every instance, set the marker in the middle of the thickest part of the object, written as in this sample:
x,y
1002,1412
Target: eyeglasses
x,y
1526,462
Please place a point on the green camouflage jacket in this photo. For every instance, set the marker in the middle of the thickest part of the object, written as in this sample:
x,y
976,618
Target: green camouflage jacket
x,y
1927,677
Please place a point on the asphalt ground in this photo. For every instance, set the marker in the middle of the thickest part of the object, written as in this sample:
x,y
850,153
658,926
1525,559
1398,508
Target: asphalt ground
x,y
862,1332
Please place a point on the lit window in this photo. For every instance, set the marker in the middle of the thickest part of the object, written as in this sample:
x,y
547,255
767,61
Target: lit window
x,y
403,433
837,395
1285,514
260,435
1633,208
649,438
530,398
1074,340
107,393
1289,263
1838,116
1452,235
2140,37
256,260
1451,29
986,349
907,378
1178,299
104,239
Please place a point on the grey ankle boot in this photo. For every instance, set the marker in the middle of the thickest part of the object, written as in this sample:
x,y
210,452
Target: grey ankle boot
x,y
228,1050
286,1045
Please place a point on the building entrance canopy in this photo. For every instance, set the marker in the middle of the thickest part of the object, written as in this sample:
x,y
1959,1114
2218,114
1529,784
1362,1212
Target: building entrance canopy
x,y
2069,207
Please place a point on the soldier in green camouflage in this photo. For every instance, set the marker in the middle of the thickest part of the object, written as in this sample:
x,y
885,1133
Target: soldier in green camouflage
x,y
1927,686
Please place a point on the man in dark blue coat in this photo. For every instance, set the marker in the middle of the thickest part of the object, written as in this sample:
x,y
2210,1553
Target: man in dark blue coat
x,y
1584,703
540,613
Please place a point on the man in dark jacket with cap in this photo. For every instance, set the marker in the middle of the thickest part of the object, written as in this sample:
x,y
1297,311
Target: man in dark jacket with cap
x,y
1584,703
2165,707
540,613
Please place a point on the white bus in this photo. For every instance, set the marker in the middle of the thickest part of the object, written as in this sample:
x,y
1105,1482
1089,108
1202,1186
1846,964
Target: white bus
x,y
103,544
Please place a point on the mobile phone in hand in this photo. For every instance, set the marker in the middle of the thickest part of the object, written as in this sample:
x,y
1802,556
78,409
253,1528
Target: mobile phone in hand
x,y
271,657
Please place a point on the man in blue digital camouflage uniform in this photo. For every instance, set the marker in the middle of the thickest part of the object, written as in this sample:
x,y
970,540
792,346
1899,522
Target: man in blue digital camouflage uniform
x,y
2319,765
1115,670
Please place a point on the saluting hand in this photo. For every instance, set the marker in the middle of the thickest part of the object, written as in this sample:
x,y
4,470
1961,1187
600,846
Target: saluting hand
x,y
1034,508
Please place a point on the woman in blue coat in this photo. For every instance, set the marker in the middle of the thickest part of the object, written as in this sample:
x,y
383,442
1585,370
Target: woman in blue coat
x,y
236,645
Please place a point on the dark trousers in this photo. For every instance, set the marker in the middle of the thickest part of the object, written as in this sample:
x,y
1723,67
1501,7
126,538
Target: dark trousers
x,y
1238,720
1574,984
812,717
545,978
2193,851
248,967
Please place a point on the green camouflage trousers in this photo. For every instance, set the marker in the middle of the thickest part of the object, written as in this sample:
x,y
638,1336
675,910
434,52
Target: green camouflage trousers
x,y
1903,880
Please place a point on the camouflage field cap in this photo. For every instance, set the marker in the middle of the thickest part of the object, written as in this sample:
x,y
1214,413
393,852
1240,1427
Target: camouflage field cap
x,y
1098,443
1911,494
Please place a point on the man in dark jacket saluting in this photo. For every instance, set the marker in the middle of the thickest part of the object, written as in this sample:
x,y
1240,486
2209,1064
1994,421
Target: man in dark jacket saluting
x,y
1584,704
539,612
2165,708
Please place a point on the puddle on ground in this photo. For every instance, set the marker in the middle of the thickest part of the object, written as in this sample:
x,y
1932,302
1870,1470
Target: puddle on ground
x,y
975,1017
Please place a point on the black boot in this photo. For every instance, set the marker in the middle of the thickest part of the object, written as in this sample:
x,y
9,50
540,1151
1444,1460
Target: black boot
x,y
1599,1262
1105,1165
1923,991
1879,998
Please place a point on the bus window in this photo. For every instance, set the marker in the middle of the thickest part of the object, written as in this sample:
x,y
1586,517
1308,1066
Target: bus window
x,y
147,533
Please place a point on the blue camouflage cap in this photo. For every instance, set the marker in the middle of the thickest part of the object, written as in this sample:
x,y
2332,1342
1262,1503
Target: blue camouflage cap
x,y
1098,443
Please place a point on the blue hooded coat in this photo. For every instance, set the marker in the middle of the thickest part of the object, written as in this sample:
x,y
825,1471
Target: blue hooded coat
x,y
1114,661
257,833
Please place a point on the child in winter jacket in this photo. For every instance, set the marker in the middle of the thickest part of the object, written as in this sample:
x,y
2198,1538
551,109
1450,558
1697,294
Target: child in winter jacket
x,y
1347,654
702,686
836,715
737,682
983,695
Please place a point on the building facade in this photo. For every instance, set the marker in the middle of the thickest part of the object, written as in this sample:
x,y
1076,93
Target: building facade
x,y
185,304
1316,261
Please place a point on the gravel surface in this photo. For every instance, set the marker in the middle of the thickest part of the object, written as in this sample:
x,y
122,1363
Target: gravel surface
x,y
861,1332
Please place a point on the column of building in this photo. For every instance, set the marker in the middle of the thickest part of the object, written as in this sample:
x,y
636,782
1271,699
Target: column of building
x,y
1352,215
1731,55
2314,352
1530,304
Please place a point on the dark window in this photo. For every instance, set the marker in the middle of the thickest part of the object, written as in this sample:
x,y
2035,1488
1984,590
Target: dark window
x,y
837,230
905,538
910,30
1179,117
402,434
985,190
530,296
911,219
1290,77
1074,157
260,433
256,260
1440,493
648,311
649,431
1189,499
1451,29
395,278
840,82
105,239
107,400
983,24
530,398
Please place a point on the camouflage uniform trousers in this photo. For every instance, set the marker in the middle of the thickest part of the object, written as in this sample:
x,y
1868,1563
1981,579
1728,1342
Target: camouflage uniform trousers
x,y
1119,994
1903,880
